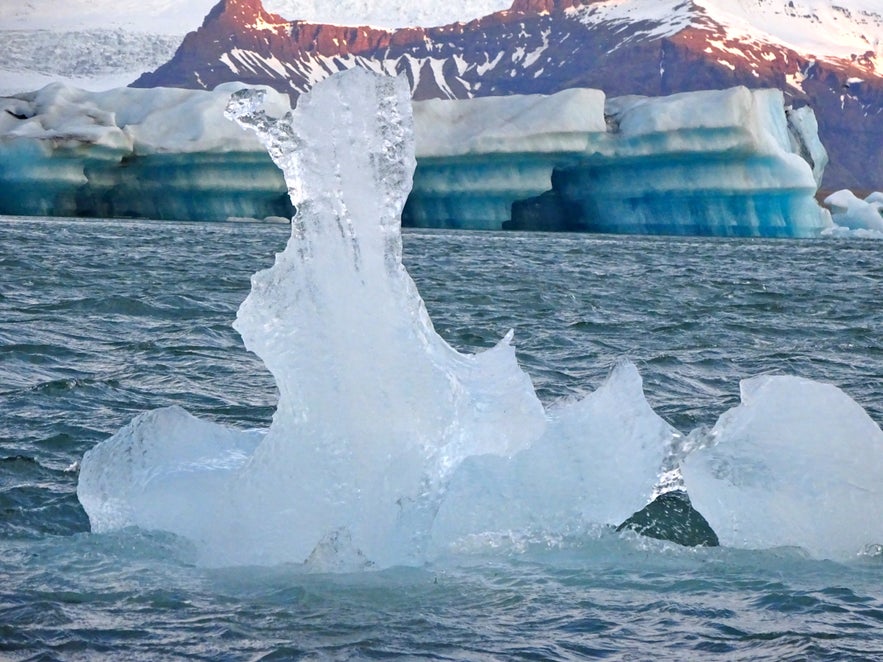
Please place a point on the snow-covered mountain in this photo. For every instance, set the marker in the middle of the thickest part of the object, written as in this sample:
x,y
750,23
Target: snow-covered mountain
x,y
819,53
385,13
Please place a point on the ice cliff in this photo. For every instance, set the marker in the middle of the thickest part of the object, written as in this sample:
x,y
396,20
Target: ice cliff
x,y
732,162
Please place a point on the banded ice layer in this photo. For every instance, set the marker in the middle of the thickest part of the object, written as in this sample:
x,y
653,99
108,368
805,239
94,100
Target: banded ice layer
x,y
161,153
389,447
728,163
732,162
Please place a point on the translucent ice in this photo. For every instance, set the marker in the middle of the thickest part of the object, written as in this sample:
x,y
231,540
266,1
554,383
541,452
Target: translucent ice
x,y
375,409
797,463
141,475
596,464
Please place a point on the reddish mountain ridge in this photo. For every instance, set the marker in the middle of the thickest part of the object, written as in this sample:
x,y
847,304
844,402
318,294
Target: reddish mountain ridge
x,y
544,46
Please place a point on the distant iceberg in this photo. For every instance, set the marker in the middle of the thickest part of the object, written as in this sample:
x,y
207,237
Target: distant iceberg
x,y
852,214
726,163
130,153
732,163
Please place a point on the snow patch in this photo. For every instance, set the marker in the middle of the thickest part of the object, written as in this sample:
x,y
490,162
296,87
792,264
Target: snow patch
x,y
663,18
846,30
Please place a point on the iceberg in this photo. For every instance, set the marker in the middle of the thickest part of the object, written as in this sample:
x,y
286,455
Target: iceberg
x,y
130,153
731,162
375,409
725,163
476,157
852,213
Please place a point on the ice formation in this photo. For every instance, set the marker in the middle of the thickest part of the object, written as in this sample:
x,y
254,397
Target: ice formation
x,y
596,464
729,162
375,409
851,212
796,464
390,447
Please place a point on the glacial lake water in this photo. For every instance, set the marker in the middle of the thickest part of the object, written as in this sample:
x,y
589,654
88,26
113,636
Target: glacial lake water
x,y
102,320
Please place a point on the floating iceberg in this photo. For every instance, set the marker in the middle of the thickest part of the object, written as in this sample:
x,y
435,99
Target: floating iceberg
x,y
796,464
730,162
163,153
389,447
851,212
375,409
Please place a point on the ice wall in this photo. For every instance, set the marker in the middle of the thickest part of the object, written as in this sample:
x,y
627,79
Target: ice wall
x,y
729,162
477,156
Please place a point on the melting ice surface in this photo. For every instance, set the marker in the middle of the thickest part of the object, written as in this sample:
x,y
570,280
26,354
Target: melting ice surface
x,y
390,447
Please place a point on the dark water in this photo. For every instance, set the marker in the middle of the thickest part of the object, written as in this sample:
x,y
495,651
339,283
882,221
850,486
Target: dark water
x,y
100,321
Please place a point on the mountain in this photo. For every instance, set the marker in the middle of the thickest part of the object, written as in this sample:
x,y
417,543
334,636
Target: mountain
x,y
103,44
829,57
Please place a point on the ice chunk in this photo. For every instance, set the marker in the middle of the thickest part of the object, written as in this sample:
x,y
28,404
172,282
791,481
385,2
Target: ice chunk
x,y
596,464
375,409
853,213
139,476
798,463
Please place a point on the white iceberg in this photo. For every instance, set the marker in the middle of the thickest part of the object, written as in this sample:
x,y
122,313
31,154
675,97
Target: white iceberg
x,y
851,212
726,163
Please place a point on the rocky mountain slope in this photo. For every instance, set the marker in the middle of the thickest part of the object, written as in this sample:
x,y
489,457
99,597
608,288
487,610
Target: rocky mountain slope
x,y
826,56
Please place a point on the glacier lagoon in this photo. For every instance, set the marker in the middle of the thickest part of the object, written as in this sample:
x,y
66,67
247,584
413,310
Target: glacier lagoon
x,y
103,320
548,583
